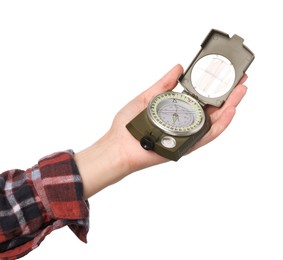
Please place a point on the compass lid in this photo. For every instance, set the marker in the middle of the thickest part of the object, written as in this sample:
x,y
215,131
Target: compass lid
x,y
217,68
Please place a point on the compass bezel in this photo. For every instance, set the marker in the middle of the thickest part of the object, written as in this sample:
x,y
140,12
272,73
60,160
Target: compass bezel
x,y
154,107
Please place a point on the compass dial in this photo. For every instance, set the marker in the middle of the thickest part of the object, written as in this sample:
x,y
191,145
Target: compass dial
x,y
176,113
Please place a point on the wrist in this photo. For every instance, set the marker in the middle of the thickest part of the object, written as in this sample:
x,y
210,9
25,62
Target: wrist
x,y
100,165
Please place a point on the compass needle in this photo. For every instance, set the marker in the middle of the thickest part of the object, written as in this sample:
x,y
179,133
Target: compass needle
x,y
175,117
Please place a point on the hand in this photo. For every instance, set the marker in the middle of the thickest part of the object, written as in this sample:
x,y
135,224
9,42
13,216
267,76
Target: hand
x,y
118,153
222,117
138,158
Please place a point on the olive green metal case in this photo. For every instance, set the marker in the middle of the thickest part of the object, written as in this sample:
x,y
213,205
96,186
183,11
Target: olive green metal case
x,y
216,42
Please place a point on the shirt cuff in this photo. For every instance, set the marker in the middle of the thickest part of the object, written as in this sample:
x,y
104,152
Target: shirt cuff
x,y
58,183
58,191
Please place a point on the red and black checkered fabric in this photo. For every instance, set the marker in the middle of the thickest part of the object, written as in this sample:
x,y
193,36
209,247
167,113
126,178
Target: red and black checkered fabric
x,y
39,200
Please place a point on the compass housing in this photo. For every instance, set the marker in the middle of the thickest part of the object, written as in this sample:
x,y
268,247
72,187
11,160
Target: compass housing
x,y
174,122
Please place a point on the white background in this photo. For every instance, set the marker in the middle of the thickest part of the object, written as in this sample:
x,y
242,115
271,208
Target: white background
x,y
67,67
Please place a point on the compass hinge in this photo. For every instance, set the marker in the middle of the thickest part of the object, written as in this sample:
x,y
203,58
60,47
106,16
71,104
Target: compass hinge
x,y
194,96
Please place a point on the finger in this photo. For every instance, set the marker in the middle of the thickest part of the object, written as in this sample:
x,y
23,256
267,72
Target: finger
x,y
243,79
167,82
212,109
233,101
217,127
236,96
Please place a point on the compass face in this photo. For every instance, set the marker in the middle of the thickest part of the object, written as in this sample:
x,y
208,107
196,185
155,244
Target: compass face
x,y
176,113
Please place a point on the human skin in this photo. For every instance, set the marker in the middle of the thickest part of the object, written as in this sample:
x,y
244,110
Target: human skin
x,y
101,164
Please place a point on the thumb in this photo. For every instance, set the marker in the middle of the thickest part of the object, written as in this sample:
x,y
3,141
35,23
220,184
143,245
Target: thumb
x,y
166,83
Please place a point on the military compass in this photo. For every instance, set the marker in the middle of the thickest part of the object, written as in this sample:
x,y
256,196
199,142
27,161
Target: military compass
x,y
173,122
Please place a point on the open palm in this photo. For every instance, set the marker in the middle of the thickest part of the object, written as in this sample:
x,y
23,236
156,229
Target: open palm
x,y
138,158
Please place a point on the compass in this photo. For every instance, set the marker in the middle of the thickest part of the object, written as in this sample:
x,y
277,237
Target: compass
x,y
173,122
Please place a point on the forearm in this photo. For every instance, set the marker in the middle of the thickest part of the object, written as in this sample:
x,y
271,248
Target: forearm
x,y
100,165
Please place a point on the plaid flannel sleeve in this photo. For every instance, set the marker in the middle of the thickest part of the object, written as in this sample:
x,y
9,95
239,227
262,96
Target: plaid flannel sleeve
x,y
39,200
